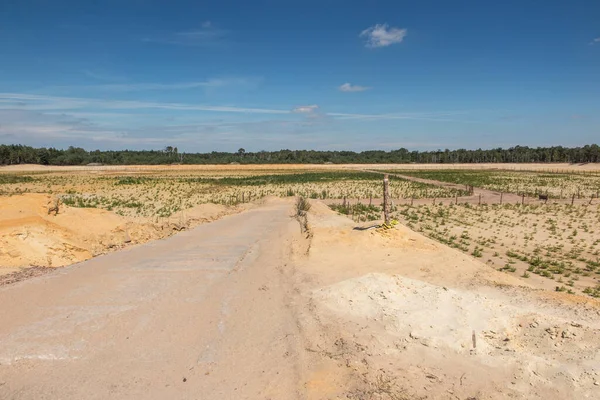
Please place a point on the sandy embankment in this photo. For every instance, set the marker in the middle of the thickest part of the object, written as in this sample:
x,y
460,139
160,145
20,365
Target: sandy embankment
x,y
30,236
407,317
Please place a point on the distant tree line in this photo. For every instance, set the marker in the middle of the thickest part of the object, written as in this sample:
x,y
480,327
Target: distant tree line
x,y
19,154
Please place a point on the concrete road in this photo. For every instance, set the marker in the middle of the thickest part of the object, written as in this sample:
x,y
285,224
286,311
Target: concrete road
x,y
204,314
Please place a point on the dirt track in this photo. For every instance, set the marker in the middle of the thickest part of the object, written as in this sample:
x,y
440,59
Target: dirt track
x,y
168,319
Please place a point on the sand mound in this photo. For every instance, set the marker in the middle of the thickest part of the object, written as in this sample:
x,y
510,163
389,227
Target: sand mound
x,y
518,349
30,236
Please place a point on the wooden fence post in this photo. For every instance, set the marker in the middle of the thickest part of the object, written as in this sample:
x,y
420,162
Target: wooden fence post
x,y
523,199
386,195
501,193
573,199
480,199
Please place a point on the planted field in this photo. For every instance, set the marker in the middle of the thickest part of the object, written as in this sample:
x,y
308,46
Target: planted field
x,y
556,185
554,246
154,195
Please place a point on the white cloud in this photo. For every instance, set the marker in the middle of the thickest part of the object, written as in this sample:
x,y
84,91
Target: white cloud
x,y
306,109
206,24
382,35
348,87
597,40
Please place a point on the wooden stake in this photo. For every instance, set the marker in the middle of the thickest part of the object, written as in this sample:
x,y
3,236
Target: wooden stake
x,y
573,199
479,199
386,199
501,193
523,199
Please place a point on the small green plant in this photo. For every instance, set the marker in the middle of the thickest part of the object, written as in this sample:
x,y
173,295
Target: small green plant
x,y
302,206
477,252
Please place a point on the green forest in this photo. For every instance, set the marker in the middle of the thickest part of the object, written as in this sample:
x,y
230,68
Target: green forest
x,y
19,154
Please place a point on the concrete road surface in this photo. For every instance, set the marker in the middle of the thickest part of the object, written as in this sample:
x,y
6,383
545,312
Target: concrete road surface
x,y
204,314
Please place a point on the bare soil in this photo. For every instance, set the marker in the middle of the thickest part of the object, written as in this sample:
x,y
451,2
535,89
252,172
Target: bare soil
x,y
254,307
30,236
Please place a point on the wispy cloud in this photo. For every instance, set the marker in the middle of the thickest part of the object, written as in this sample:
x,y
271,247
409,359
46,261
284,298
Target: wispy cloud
x,y
348,87
596,40
136,87
306,109
382,35
40,120
206,35
37,125
34,102
41,102
435,116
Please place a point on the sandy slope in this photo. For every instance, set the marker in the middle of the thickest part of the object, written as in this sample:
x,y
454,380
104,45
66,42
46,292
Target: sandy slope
x,y
251,307
29,236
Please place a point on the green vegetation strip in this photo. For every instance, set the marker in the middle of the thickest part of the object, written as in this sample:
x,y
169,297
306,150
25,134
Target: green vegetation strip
x,y
8,179
283,179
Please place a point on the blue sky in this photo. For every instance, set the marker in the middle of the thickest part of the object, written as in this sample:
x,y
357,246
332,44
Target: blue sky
x,y
328,74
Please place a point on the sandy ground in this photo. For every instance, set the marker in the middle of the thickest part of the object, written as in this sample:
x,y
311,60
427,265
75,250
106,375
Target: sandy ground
x,y
30,236
253,307
162,168
415,318
187,317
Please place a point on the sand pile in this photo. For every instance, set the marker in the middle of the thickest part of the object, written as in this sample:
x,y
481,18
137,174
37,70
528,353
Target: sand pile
x,y
30,236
